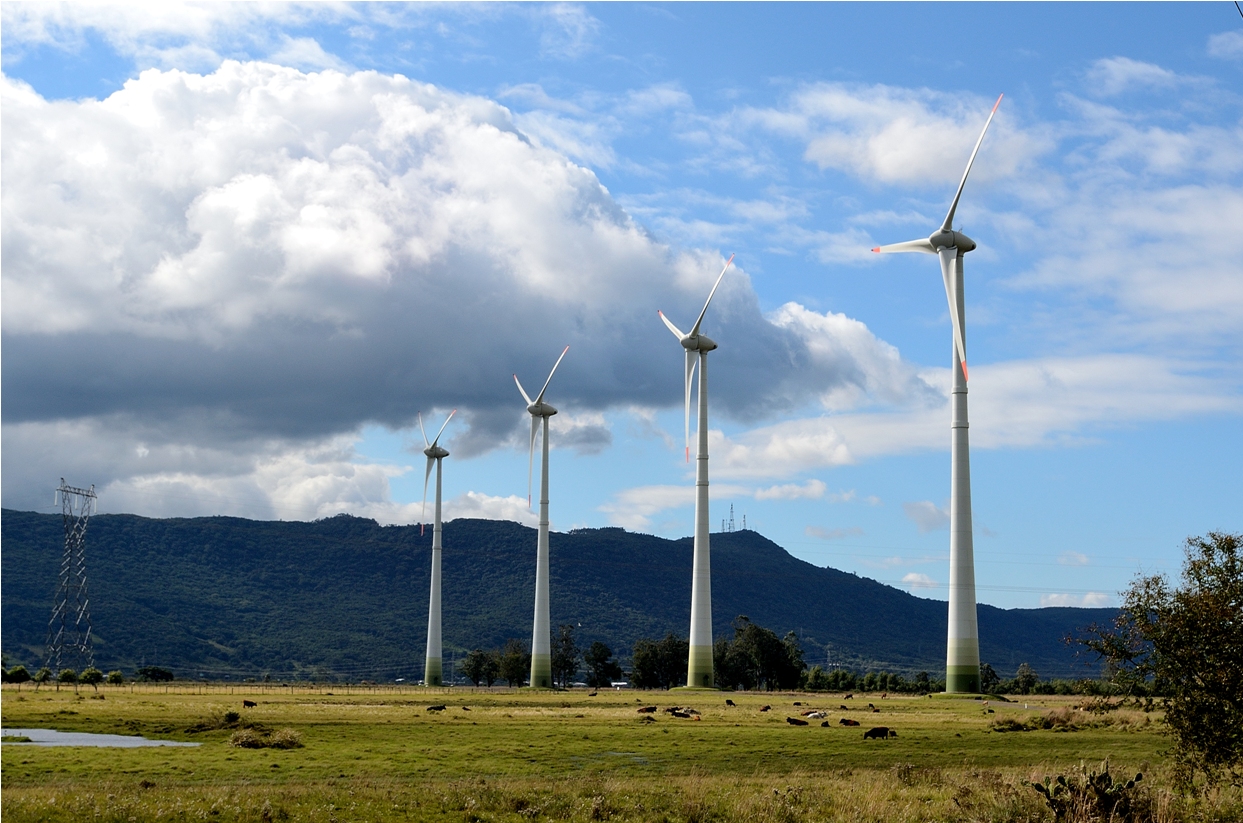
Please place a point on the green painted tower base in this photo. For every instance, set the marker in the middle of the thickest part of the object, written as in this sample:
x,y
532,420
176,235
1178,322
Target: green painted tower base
x,y
962,679
432,673
541,671
699,673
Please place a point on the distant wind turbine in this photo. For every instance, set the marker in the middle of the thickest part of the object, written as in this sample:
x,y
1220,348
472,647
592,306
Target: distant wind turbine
x,y
541,636
432,670
699,666
962,664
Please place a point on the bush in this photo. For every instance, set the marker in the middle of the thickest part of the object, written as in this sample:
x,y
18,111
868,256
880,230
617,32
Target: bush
x,y
255,739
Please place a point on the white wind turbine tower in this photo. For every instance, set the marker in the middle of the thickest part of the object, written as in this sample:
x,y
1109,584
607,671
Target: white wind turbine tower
x,y
699,665
433,673
541,636
962,664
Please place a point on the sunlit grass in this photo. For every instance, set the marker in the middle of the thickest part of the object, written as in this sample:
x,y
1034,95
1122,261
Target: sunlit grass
x,y
371,755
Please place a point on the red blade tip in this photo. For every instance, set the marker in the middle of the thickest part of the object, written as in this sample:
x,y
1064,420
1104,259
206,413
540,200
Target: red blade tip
x,y
876,249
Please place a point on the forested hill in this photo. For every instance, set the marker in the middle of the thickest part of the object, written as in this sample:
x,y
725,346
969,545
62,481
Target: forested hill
x,y
346,597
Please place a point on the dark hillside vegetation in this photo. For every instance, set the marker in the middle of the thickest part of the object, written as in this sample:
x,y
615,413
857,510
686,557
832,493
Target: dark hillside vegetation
x,y
346,598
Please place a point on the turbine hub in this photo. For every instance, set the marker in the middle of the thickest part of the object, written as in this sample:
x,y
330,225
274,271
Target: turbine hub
x,y
541,409
951,240
698,342
435,452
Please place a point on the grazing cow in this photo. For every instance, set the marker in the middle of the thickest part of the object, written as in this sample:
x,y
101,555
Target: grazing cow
x,y
646,710
875,711
877,733
765,708
249,704
846,721
848,697
884,696
436,708
870,706
989,711
893,732
794,721
797,703
843,708
680,714
593,694
729,702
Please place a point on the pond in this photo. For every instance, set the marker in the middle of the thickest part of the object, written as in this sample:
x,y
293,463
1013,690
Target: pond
x,y
48,737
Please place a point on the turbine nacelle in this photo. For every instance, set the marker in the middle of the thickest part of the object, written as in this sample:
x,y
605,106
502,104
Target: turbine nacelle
x,y
435,452
698,342
952,240
541,409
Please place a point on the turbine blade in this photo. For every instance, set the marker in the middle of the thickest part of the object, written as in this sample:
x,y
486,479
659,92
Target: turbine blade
x,y
522,391
950,265
531,457
427,476
442,428
910,245
695,328
949,218
426,445
540,396
692,358
676,331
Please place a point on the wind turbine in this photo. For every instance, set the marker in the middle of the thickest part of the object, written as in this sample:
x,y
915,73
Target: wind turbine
x,y
699,665
541,637
432,670
962,662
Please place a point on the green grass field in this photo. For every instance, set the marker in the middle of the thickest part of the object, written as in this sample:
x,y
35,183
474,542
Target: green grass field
x,y
380,755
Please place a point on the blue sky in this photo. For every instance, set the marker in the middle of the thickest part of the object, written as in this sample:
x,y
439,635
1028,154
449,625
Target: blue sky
x,y
244,245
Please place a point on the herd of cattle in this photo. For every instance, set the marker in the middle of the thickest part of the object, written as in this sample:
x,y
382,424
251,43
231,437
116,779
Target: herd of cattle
x,y
805,718
687,713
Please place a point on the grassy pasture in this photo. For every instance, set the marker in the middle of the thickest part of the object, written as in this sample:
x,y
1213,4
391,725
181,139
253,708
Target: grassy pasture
x,y
380,755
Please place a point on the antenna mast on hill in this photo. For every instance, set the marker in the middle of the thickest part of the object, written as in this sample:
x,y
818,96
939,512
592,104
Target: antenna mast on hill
x,y
69,629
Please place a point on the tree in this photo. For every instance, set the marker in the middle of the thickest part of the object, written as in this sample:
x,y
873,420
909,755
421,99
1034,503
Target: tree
x,y
990,681
659,665
1025,679
42,676
154,674
67,676
758,658
18,674
1185,644
602,669
474,666
515,662
565,656
92,677
115,678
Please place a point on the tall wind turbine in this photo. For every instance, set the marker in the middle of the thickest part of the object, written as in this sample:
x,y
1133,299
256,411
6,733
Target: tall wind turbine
x,y
962,663
699,666
432,669
541,636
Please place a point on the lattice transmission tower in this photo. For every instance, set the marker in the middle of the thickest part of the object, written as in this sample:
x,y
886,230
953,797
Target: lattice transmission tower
x,y
69,629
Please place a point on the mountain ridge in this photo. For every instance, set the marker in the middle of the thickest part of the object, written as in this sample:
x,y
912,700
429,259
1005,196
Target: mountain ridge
x,y
345,597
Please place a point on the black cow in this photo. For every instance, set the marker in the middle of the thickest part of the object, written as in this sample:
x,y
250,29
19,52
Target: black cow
x,y
878,733
794,721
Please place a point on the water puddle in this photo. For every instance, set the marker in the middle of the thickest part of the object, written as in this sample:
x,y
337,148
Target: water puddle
x,y
48,737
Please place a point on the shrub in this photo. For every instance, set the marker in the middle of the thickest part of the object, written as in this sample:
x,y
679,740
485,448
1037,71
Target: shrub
x,y
254,739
